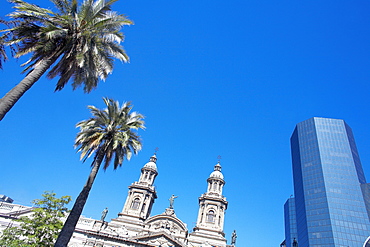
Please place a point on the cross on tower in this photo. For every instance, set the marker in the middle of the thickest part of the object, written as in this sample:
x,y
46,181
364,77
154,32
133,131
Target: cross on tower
x,y
156,150
219,158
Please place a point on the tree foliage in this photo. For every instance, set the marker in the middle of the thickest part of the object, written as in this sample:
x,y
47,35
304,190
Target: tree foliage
x,y
42,227
86,38
77,42
111,130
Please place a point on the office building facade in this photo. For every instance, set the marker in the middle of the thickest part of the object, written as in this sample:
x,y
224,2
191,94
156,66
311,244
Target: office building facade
x,y
329,186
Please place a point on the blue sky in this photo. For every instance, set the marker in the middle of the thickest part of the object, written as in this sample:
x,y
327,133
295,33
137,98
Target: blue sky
x,y
229,78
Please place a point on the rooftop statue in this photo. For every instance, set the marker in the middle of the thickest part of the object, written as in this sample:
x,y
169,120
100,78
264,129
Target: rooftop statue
x,y
172,200
233,238
104,214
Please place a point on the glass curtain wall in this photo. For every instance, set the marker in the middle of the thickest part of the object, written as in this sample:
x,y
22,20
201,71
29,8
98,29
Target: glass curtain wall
x,y
327,172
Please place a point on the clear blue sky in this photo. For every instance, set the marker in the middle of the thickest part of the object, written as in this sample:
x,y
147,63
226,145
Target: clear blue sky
x,y
229,78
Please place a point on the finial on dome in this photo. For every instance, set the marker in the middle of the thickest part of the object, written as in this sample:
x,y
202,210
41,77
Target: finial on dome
x,y
218,166
153,158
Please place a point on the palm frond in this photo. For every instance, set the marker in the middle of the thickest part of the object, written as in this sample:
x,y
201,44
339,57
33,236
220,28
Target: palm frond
x,y
85,38
110,130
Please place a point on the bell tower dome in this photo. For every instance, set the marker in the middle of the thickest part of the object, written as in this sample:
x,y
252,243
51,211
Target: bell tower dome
x,y
216,181
149,172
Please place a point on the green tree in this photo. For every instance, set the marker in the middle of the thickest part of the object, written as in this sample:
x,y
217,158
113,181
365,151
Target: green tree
x,y
76,42
41,228
109,132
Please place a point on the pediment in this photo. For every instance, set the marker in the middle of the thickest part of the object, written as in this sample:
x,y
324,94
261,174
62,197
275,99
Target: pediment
x,y
159,239
166,222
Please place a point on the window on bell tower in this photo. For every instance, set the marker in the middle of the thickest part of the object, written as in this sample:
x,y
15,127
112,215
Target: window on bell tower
x,y
211,216
215,186
135,203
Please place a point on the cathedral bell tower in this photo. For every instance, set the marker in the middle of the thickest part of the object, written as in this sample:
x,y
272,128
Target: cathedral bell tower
x,y
211,215
141,195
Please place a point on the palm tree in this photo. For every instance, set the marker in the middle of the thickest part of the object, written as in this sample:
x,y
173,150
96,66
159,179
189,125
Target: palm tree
x,y
108,133
76,42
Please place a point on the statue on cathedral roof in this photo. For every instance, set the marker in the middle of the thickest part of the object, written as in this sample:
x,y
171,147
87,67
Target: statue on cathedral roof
x,y
172,200
233,238
104,214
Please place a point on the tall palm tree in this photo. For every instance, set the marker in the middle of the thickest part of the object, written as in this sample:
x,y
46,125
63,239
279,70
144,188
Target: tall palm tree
x,y
108,133
76,42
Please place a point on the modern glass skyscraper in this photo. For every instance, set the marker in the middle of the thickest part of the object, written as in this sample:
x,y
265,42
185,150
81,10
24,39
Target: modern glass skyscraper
x,y
327,173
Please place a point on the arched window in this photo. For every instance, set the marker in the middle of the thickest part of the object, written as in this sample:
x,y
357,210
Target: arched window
x,y
214,185
211,216
135,203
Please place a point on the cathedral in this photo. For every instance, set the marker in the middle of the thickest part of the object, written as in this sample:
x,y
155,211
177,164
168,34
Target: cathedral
x,y
134,225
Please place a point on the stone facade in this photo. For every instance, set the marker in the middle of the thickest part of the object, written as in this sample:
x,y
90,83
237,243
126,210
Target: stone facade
x,y
135,227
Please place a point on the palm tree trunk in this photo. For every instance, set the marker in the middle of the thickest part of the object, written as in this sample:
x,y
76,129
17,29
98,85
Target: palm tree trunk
x,y
9,100
71,222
